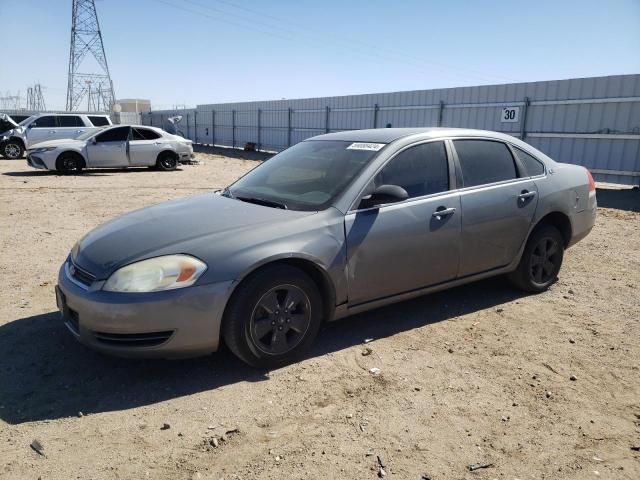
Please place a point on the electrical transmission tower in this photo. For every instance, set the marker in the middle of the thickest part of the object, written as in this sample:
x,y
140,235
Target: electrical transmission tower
x,y
86,40
35,99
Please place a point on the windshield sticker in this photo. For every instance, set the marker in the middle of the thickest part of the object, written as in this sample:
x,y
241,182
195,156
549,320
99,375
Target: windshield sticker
x,y
374,147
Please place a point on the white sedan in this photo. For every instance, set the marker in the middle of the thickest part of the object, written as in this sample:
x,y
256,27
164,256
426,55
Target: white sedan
x,y
112,147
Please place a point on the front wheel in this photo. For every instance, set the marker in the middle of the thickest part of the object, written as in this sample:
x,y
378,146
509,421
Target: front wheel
x,y
541,260
13,150
69,163
273,317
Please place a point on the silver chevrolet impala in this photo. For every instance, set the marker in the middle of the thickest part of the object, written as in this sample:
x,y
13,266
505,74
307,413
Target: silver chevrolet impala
x,y
338,224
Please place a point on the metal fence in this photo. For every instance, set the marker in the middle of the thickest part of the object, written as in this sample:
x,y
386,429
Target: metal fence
x,y
594,122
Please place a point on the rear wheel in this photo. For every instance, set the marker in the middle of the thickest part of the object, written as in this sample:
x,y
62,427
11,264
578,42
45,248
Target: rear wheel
x,y
167,161
273,317
541,260
13,150
69,163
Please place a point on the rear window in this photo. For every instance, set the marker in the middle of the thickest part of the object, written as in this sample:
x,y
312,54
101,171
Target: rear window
x,y
484,161
144,134
99,121
70,121
534,166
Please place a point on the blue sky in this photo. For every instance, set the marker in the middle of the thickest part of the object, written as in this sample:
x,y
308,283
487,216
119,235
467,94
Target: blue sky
x,y
205,51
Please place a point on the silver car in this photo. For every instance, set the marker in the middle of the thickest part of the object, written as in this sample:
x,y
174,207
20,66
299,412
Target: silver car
x,y
338,224
42,127
119,146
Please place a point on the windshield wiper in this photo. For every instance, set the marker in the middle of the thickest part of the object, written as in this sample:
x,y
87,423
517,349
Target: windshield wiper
x,y
227,193
263,201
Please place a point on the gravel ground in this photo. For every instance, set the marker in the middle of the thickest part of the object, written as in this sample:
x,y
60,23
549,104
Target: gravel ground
x,y
544,386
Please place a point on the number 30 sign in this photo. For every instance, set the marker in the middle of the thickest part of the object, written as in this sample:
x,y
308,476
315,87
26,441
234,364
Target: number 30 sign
x,y
510,114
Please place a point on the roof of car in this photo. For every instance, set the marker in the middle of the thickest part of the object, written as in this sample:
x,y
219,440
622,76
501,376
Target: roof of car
x,y
388,135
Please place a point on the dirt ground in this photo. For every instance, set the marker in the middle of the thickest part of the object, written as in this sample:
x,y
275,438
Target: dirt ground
x,y
481,374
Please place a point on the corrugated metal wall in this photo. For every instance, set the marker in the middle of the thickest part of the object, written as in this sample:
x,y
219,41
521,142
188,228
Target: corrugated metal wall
x,y
594,122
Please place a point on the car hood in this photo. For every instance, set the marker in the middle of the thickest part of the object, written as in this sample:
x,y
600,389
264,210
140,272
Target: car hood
x,y
170,228
70,143
7,123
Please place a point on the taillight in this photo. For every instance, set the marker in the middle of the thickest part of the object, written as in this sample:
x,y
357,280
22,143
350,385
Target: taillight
x,y
592,184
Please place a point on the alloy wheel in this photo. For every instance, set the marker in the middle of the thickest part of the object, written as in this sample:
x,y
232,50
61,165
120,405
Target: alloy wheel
x,y
12,151
280,319
545,258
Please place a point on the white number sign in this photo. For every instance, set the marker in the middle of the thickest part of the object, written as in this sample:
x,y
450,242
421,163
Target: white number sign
x,y
510,114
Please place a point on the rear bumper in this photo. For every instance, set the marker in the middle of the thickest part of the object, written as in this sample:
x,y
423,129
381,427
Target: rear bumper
x,y
172,324
582,223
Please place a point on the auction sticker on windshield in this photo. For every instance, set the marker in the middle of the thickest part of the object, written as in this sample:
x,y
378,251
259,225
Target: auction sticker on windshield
x,y
374,147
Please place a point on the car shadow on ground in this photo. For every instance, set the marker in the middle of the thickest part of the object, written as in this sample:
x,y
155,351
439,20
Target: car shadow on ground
x,y
620,199
233,152
91,172
45,374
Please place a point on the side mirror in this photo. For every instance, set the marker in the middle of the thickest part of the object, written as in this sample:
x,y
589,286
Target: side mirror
x,y
93,140
384,194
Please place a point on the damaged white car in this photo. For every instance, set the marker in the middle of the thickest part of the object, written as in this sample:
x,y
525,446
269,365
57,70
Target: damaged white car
x,y
113,147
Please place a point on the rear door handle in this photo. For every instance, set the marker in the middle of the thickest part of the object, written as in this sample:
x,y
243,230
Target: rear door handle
x,y
52,131
443,212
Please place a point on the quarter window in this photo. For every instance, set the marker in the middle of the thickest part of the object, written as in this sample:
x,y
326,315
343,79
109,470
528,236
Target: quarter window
x,y
99,121
44,122
534,166
420,170
118,134
143,134
70,121
484,161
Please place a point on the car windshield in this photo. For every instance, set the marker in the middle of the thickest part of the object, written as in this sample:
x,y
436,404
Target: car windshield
x,y
89,134
26,120
307,176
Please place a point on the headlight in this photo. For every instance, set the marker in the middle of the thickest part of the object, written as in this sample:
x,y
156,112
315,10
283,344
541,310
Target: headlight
x,y
43,149
156,274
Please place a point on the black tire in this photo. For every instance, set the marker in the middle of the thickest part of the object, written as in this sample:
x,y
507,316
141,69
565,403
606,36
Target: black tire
x,y
69,163
541,260
167,161
273,335
12,149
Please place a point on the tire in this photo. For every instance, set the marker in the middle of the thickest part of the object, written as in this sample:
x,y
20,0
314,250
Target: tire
x,y
12,149
167,161
69,163
260,329
541,260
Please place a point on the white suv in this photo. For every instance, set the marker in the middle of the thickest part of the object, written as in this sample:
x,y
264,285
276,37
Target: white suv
x,y
43,127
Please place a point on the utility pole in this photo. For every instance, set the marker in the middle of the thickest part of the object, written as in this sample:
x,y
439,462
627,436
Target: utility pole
x,y
86,38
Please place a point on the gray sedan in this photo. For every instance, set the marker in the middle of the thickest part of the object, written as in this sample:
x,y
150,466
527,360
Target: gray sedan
x,y
338,224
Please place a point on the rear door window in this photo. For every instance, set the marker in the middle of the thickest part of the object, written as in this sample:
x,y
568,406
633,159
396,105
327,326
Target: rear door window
x,y
70,121
99,121
420,170
118,134
143,134
484,161
533,165
48,121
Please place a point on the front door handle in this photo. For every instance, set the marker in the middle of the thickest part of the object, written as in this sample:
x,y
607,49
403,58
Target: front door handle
x,y
526,195
443,212
52,131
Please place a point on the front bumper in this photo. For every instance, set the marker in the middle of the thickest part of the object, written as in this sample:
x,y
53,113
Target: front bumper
x,y
171,324
36,161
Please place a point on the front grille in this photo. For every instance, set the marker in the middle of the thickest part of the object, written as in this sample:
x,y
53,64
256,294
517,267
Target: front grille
x,y
80,275
133,340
